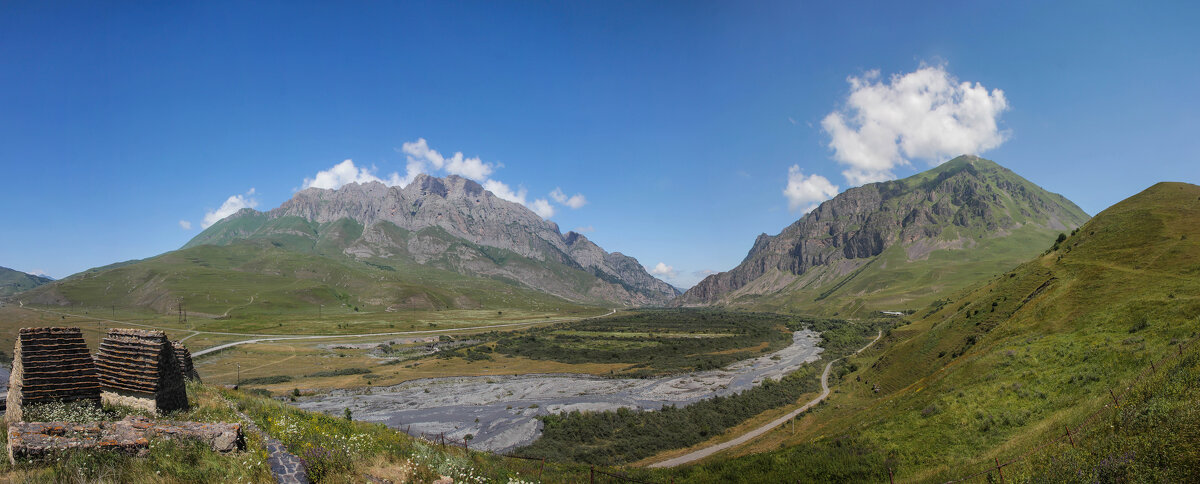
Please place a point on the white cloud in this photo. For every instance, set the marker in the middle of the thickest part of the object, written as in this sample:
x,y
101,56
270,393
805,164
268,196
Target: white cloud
x,y
664,271
420,158
501,189
927,114
542,207
807,191
231,206
587,229
419,153
574,201
345,173
37,272
185,225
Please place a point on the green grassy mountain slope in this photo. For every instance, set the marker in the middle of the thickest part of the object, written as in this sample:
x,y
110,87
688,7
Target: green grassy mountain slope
x,y
1000,368
12,281
896,245
270,277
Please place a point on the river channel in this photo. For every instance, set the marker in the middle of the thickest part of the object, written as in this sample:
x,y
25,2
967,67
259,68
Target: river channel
x,y
500,411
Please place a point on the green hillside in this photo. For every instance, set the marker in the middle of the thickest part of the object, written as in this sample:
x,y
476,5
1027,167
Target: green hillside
x,y
281,275
994,371
12,282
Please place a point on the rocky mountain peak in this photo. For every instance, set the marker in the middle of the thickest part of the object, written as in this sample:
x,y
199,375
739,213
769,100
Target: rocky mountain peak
x,y
967,197
463,209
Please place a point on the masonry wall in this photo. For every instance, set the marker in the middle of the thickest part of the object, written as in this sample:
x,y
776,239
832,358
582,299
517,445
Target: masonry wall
x,y
139,368
50,364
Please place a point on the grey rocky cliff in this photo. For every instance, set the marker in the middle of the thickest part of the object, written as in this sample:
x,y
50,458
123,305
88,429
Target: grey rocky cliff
x,y
975,195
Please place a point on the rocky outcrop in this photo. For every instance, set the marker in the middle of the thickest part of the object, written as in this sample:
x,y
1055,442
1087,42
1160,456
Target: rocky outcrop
x,y
967,196
138,368
41,440
50,365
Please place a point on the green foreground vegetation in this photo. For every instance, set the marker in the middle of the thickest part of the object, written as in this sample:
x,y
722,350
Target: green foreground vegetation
x,y
167,461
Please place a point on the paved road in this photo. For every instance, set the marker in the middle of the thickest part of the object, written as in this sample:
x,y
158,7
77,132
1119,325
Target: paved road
x,y
748,436
259,338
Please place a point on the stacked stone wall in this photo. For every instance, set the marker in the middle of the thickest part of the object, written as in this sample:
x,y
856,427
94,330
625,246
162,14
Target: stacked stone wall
x,y
139,368
50,364
185,361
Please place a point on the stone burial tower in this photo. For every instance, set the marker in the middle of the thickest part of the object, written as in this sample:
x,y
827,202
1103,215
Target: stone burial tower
x,y
50,364
185,361
138,368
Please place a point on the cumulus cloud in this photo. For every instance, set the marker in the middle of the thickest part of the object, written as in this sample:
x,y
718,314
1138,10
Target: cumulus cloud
x,y
345,173
574,201
807,191
501,189
664,271
185,225
420,158
231,206
542,207
927,114
419,153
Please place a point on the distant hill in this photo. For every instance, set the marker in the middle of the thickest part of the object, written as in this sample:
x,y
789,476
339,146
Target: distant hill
x,y
436,243
14,281
897,244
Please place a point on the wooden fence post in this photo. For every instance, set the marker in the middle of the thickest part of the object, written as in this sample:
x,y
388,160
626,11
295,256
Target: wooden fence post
x,y
891,478
592,475
1114,397
541,467
999,470
1069,438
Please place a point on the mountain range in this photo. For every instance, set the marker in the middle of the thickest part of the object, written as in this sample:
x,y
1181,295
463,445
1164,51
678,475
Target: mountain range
x,y
896,244
435,243
14,281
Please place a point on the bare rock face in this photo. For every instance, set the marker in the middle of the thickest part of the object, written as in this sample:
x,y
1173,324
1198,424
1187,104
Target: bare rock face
x,y
41,440
445,221
968,195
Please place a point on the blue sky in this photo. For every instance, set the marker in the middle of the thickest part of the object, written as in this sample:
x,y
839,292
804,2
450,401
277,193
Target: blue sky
x,y
677,121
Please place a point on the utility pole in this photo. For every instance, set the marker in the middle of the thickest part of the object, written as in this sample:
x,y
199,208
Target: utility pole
x,y
239,376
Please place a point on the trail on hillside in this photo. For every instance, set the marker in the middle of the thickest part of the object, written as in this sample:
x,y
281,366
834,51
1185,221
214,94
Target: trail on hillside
x,y
748,436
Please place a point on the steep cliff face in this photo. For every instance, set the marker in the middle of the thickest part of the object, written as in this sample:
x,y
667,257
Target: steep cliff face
x,y
966,204
453,224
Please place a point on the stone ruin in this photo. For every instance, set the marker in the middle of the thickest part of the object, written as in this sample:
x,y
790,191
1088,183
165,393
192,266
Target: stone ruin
x,y
50,364
138,369
40,440
185,361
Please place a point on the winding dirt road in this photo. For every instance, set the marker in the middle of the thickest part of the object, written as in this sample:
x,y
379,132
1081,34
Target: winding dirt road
x,y
748,436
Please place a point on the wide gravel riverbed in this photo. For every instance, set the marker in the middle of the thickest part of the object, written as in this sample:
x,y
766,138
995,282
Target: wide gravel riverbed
x,y
500,411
